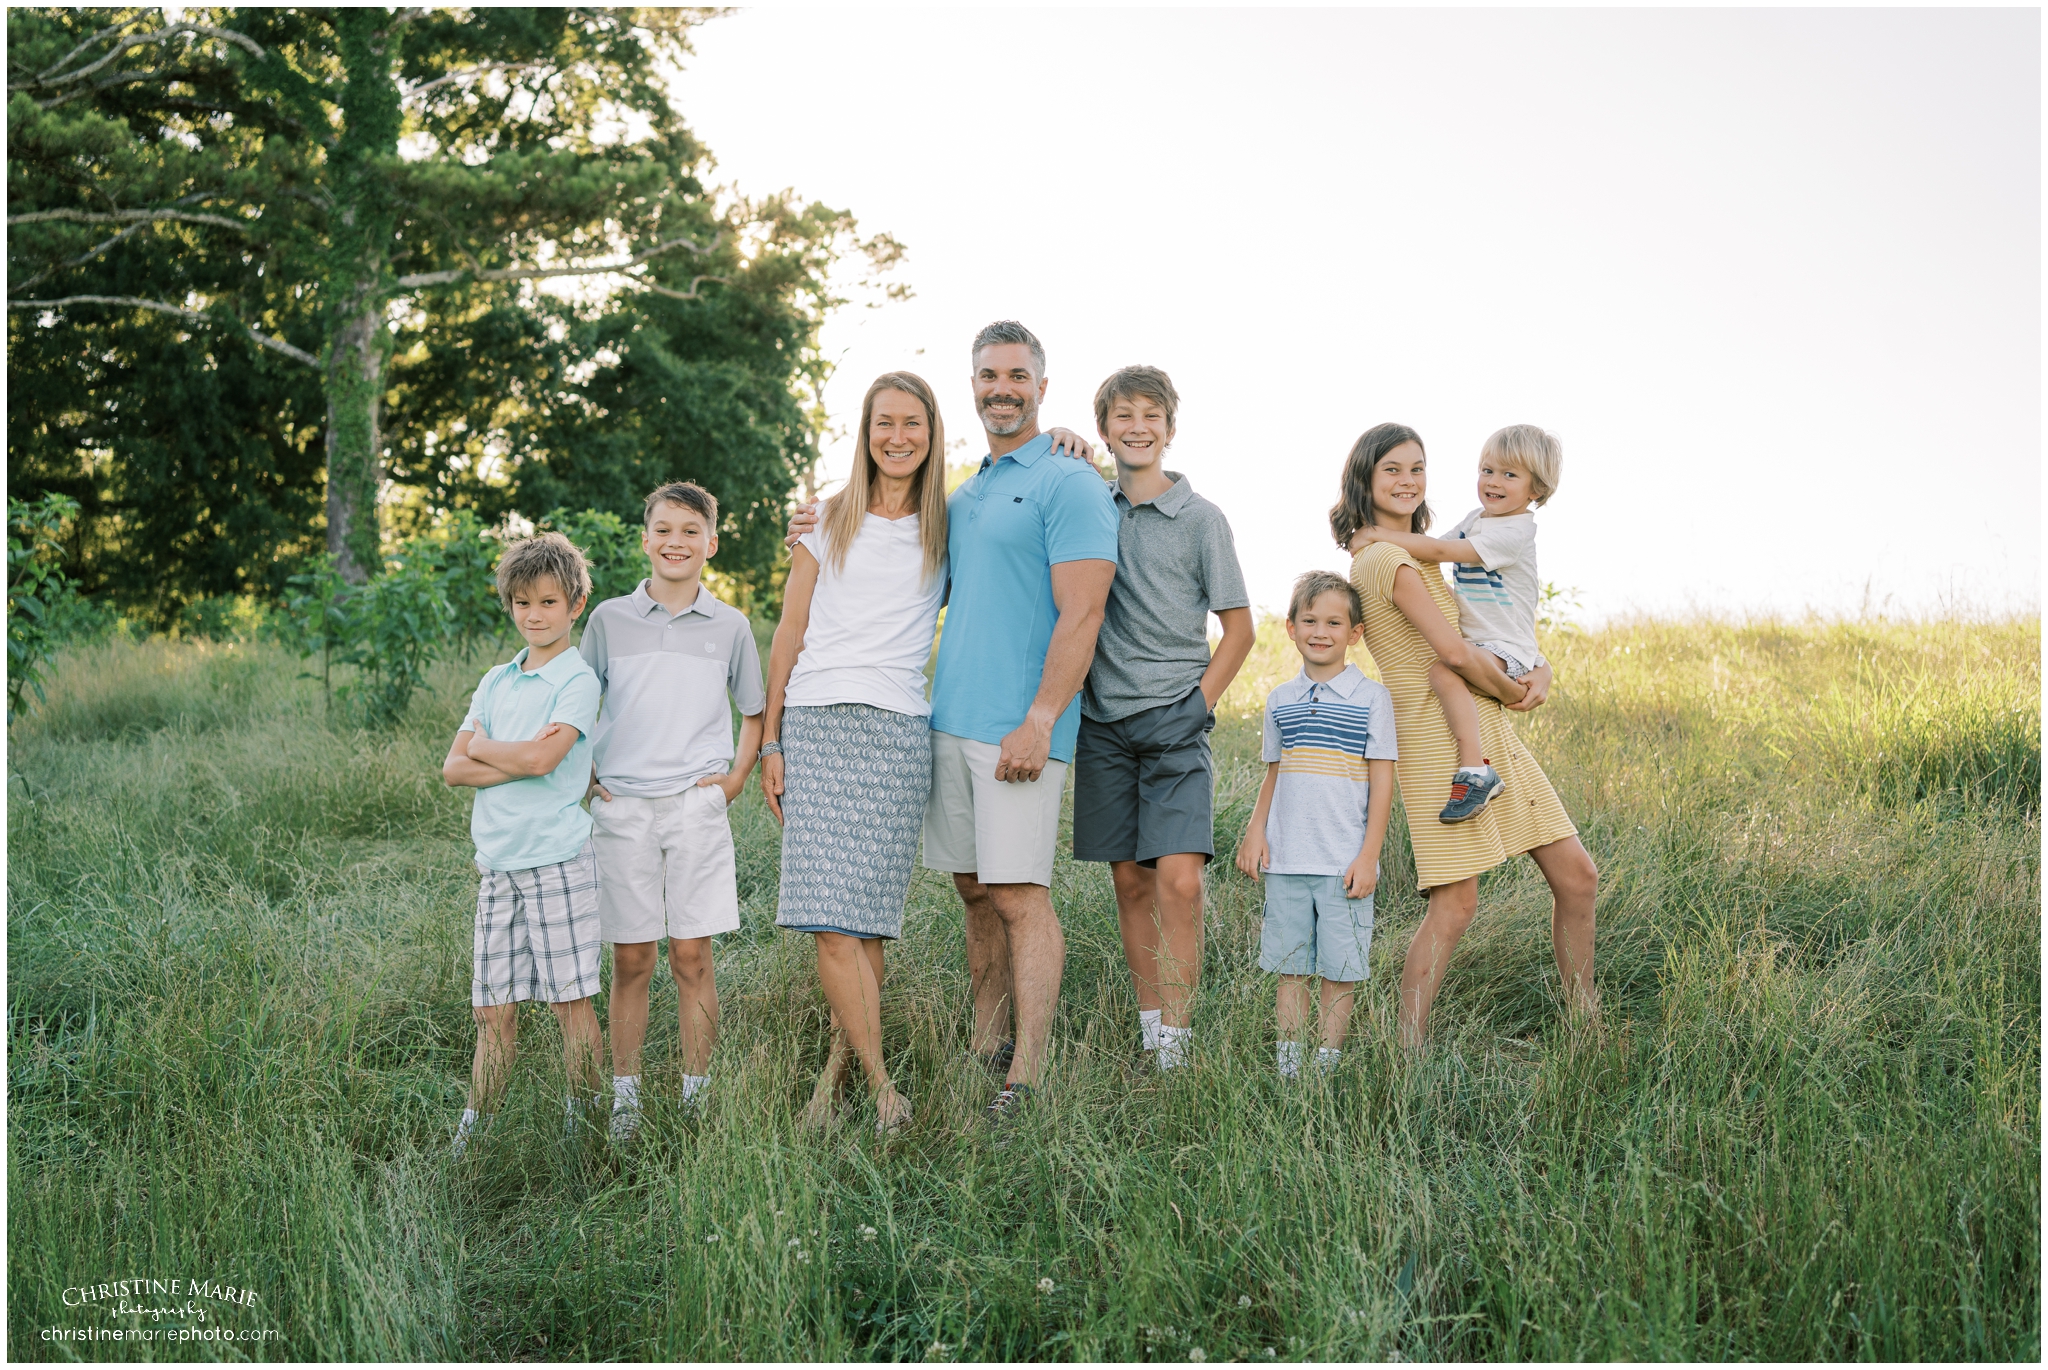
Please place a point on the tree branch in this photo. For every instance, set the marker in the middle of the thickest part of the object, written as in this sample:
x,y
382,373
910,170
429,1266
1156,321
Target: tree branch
x,y
467,72
136,40
125,216
536,273
175,311
691,294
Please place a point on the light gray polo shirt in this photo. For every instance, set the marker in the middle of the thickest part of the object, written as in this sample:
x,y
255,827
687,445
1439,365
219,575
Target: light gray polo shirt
x,y
1176,565
664,725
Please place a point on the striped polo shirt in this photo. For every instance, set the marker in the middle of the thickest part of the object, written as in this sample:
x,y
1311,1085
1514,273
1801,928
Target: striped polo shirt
x,y
665,725
1322,733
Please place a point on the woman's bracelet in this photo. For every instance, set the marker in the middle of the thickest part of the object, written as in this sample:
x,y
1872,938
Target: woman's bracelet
x,y
771,749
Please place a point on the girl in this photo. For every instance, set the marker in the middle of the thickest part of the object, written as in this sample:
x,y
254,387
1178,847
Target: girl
x,y
1410,618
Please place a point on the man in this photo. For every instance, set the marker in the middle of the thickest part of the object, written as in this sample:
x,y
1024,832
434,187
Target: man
x,y
1032,540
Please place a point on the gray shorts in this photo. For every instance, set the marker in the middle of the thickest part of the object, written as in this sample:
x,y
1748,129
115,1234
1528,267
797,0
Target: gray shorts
x,y
1313,929
1512,659
538,934
1144,786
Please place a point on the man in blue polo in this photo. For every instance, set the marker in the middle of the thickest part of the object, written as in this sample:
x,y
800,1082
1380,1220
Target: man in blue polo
x,y
1033,541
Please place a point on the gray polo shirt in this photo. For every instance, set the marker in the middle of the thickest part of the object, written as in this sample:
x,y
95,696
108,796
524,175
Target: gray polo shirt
x,y
664,725
1176,565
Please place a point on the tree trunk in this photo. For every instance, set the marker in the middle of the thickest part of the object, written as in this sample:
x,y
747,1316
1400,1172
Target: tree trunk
x,y
355,469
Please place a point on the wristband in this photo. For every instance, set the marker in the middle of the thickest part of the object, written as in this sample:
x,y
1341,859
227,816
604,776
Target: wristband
x,y
771,749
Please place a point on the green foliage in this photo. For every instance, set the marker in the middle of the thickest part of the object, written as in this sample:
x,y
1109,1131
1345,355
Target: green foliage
x,y
38,591
346,213
618,563
240,1034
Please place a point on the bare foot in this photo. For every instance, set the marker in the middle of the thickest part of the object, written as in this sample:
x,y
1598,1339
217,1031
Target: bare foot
x,y
892,1112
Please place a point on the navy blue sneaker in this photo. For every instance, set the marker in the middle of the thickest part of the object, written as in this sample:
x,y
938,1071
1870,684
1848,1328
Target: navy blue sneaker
x,y
1471,788
1009,1104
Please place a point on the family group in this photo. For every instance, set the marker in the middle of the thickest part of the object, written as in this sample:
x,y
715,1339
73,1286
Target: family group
x,y
1075,636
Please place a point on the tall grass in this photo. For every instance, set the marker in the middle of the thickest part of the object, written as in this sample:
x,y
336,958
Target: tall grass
x,y
239,1037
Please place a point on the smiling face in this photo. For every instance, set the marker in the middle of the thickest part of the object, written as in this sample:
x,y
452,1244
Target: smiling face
x,y
1137,430
678,541
1322,629
1399,481
1007,388
899,434
1503,489
543,612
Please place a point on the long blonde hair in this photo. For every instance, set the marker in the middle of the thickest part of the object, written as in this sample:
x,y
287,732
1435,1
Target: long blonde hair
x,y
845,510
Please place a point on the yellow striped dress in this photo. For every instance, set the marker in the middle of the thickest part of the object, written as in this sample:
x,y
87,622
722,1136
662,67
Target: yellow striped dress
x,y
1524,815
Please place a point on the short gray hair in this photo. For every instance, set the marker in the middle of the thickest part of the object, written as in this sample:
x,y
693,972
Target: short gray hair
x,y
1009,331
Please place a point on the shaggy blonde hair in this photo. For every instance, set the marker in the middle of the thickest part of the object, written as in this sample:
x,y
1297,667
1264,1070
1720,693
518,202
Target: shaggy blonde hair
x,y
1527,448
550,556
845,510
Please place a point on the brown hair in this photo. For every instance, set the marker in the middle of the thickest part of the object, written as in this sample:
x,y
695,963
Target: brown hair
x,y
1353,509
547,554
689,495
1136,383
843,513
1008,331
1314,584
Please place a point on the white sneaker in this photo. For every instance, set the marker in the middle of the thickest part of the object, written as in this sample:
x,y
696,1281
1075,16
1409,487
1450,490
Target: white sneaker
x,y
625,1125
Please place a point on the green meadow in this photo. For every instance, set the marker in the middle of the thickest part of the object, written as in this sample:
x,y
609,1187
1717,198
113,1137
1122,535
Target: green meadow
x,y
1808,1127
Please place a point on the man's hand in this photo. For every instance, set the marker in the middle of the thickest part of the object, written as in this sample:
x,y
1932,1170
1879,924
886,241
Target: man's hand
x,y
802,521
1025,750
1066,442
1361,877
1251,852
597,791
729,784
771,783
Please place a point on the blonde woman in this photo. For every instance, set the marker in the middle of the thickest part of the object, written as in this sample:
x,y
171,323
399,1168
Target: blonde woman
x,y
847,764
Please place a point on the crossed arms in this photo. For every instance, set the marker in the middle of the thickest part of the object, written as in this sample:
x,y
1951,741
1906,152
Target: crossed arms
x,y
475,760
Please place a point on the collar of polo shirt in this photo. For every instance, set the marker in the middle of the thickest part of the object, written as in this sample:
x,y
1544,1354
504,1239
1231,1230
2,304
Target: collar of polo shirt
x,y
1169,501
645,604
558,668
1345,682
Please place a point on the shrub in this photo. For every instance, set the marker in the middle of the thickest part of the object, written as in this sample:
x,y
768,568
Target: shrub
x,y
39,594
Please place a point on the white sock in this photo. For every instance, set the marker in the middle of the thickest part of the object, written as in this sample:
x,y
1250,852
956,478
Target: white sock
x,y
1289,1054
1327,1058
471,1124
1148,1024
625,1093
693,1083
1173,1045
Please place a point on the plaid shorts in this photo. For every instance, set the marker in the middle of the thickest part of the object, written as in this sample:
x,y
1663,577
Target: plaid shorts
x,y
537,933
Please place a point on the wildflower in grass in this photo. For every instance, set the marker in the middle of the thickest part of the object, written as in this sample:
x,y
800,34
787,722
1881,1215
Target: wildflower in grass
x,y
1197,1355
796,1241
1045,1285
867,1234
1244,1301
803,1257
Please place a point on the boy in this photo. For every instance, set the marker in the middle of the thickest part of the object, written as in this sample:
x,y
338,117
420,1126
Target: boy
x,y
1316,830
1494,577
667,656
522,747
1143,781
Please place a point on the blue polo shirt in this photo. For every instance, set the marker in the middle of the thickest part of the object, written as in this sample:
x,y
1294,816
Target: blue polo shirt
x,y
1006,528
538,820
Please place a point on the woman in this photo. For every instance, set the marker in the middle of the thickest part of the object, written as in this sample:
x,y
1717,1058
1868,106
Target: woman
x,y
847,755
1411,621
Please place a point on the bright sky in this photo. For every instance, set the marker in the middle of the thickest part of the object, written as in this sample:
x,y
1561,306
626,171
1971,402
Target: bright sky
x,y
1773,277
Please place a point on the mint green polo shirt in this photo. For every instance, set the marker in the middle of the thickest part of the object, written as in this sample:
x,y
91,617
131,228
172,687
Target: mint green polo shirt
x,y
538,820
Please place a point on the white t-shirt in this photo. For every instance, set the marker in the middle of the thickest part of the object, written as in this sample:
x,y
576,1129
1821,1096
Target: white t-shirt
x,y
1498,589
871,624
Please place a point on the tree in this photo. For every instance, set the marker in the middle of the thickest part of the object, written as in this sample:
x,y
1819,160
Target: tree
x,y
277,222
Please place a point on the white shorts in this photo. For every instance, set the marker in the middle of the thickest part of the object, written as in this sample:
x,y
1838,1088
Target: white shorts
x,y
1000,831
666,866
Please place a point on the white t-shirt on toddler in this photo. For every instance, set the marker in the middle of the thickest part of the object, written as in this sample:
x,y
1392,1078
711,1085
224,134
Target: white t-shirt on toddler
x,y
1498,589
872,620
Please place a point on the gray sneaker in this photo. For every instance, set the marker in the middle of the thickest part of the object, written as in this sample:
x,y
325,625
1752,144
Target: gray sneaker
x,y
1008,1106
1471,788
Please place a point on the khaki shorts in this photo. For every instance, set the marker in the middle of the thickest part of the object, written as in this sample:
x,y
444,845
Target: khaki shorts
x,y
667,866
1000,831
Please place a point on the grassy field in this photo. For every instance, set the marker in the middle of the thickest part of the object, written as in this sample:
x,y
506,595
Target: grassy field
x,y
239,1035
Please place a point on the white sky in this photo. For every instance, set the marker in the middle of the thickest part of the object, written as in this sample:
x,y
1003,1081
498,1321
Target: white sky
x,y
1772,276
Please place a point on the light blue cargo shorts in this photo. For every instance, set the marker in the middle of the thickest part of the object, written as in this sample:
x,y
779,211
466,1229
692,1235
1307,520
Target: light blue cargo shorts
x,y
1311,928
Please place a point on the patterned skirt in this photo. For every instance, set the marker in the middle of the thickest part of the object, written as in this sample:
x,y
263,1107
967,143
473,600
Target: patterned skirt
x,y
855,781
